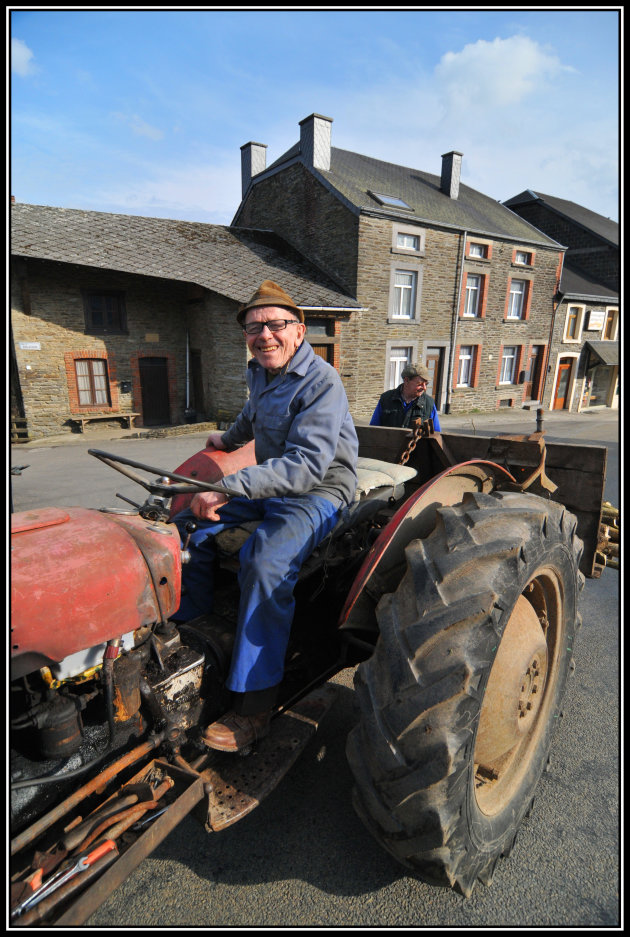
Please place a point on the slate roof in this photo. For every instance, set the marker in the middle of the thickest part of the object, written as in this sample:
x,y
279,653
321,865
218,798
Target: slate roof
x,y
228,260
577,285
353,177
603,227
607,352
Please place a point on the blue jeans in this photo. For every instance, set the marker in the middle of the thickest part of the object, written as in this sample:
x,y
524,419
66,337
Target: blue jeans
x,y
270,560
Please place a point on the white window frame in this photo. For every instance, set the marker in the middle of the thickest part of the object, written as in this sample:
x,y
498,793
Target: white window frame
x,y
517,298
404,294
580,324
411,231
505,359
393,353
92,382
465,365
481,245
526,254
473,296
413,246
396,290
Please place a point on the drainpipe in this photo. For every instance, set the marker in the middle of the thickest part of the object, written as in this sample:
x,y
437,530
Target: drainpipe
x,y
551,330
447,405
187,369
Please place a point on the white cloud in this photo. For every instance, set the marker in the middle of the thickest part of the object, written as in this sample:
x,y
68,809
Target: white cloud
x,y
21,57
139,126
500,73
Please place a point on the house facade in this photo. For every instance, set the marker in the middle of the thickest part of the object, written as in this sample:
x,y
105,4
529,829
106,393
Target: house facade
x,y
584,354
113,315
443,274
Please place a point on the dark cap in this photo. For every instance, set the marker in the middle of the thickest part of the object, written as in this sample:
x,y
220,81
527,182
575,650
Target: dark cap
x,y
269,294
415,370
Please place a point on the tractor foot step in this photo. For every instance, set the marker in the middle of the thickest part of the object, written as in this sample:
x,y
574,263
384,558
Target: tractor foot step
x,y
235,786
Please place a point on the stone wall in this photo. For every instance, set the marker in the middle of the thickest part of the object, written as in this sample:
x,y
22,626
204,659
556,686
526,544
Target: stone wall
x,y
215,333
56,329
295,205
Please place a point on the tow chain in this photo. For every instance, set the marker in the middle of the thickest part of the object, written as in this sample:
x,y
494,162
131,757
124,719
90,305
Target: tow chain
x,y
421,428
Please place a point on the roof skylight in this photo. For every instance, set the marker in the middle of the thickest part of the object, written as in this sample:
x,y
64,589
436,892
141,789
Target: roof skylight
x,y
392,201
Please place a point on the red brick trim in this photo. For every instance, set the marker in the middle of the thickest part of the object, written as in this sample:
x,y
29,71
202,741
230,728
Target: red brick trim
x,y
476,366
70,357
483,296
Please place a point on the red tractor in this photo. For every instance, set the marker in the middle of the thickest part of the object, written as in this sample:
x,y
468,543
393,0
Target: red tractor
x,y
452,582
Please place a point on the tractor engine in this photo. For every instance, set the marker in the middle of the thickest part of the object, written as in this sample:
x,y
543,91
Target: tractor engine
x,y
95,661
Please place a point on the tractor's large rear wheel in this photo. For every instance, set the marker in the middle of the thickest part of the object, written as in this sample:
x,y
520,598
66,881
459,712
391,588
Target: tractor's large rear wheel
x,y
461,696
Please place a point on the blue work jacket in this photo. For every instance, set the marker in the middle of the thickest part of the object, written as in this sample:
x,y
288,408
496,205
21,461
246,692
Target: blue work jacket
x,y
305,440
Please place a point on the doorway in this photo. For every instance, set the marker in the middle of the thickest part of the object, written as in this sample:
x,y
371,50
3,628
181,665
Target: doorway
x,y
434,361
156,410
563,384
534,373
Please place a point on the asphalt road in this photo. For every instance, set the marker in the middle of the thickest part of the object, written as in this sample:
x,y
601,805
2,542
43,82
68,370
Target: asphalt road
x,y
303,859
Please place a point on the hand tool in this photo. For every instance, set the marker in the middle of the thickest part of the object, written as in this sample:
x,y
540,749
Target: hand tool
x,y
62,876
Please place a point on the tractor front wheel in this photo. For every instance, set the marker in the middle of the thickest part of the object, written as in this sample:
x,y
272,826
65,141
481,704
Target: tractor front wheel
x,y
460,698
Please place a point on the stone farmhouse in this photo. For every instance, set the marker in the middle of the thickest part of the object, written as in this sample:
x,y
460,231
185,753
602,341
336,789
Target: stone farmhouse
x,y
117,316
125,318
585,344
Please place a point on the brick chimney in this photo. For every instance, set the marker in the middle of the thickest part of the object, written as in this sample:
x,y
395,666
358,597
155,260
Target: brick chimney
x,y
315,141
451,173
253,161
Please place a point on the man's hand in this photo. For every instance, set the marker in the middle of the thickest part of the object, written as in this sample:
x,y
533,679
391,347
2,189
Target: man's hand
x,y
205,505
216,440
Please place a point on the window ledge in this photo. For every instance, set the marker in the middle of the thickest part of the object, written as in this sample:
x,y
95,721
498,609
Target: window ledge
x,y
401,251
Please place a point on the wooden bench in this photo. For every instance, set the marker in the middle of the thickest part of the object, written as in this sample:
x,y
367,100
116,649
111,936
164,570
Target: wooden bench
x,y
91,417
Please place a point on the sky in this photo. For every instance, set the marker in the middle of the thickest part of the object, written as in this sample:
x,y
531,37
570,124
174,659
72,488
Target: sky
x,y
144,112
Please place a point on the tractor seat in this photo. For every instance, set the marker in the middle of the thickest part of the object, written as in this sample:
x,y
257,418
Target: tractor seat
x,y
378,482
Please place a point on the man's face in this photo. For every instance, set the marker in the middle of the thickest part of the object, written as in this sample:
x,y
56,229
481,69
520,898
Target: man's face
x,y
414,386
274,349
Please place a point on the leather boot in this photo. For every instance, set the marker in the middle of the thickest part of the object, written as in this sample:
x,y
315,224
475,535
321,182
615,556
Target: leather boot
x,y
233,731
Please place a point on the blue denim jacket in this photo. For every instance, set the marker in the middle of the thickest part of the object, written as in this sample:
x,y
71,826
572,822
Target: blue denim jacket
x,y
305,440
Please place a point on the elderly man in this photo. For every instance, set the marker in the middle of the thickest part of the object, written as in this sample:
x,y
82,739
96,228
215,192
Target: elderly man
x,y
408,402
305,474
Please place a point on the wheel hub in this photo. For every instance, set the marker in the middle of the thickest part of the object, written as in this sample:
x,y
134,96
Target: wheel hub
x,y
515,687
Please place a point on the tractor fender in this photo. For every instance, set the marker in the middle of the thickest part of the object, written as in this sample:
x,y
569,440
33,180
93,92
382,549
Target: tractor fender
x,y
415,519
211,465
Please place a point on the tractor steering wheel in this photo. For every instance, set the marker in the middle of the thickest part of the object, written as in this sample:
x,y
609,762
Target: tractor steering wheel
x,y
161,486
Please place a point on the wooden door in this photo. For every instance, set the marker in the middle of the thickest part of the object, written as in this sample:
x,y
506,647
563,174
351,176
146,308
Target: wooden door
x,y
324,351
433,363
561,395
154,390
533,373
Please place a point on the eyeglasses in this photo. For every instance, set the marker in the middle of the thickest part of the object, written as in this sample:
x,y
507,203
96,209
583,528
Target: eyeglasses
x,y
274,325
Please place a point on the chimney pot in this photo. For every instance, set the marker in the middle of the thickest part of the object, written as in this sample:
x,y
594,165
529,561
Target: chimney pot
x,y
253,161
315,132
451,173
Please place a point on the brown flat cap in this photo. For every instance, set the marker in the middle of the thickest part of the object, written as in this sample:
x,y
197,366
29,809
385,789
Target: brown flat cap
x,y
415,370
269,294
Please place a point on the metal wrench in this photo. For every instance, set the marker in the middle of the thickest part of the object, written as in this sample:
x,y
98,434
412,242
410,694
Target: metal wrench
x,y
62,876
